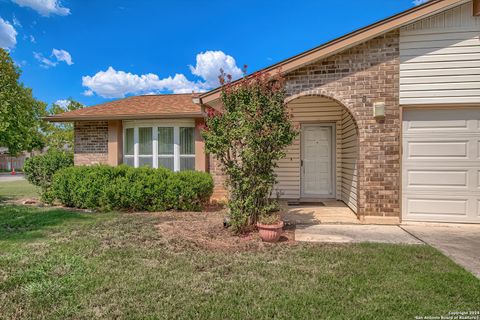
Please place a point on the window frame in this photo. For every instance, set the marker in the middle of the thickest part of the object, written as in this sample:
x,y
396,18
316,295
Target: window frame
x,y
128,156
186,156
176,124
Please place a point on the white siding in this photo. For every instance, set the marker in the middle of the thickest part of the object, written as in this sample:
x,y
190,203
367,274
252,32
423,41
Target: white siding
x,y
309,109
440,58
349,142
312,109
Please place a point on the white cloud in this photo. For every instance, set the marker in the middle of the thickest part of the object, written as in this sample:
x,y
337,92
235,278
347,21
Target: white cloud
x,y
419,2
44,7
63,103
8,35
209,64
117,84
62,55
44,62
59,55
32,39
16,23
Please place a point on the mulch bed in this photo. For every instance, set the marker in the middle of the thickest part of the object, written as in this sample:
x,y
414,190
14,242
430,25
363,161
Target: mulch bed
x,y
205,230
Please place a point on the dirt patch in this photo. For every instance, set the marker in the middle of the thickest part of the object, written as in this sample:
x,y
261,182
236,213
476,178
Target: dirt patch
x,y
205,230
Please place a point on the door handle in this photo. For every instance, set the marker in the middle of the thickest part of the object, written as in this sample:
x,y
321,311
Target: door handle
x,y
301,163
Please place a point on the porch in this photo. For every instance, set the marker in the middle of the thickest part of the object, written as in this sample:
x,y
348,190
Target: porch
x,y
317,179
329,211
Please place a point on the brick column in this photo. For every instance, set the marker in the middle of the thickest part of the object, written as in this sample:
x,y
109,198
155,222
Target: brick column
x,y
115,142
201,163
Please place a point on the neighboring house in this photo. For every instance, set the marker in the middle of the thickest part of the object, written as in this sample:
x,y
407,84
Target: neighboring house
x,y
389,117
8,162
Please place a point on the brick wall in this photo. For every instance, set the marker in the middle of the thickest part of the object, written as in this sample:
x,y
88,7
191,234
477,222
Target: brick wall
x,y
219,191
90,142
356,78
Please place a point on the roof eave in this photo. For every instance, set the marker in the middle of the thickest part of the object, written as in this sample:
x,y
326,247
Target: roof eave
x,y
122,117
349,40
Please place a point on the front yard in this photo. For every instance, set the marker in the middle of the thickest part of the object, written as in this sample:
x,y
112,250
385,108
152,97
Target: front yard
x,y
57,263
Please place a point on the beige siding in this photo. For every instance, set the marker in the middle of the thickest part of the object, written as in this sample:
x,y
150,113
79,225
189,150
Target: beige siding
x,y
349,141
440,58
312,109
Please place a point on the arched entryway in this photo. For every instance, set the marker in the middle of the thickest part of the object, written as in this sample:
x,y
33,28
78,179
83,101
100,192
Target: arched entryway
x,y
322,163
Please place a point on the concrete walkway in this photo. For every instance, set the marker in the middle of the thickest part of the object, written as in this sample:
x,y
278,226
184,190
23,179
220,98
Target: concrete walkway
x,y
6,177
353,234
459,242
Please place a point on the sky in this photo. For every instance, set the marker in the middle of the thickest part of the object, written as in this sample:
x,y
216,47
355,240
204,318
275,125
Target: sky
x,y
98,50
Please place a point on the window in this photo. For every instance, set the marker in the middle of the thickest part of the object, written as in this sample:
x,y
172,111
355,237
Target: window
x,y
187,149
165,147
172,147
129,147
145,147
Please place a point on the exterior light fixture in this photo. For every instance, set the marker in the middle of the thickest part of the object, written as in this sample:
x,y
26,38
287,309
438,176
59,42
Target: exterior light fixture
x,y
379,110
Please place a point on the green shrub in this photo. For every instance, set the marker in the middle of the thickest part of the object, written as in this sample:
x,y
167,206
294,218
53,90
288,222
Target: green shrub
x,y
105,188
40,169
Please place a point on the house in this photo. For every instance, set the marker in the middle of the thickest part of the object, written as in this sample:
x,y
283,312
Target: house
x,y
389,117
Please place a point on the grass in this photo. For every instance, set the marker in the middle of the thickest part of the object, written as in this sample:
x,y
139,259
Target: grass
x,y
57,264
12,190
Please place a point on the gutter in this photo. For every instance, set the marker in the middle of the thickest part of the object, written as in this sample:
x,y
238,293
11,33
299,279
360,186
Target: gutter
x,y
122,117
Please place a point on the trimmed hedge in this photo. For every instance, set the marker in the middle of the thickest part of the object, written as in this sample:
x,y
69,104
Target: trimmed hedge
x,y
39,170
106,188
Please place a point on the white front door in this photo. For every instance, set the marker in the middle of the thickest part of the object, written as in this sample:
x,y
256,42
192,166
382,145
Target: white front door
x,y
317,177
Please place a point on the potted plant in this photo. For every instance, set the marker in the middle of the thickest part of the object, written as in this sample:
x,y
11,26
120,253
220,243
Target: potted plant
x,y
270,227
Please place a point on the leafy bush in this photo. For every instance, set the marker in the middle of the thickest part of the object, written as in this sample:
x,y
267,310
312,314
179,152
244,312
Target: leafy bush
x,y
134,189
40,169
248,138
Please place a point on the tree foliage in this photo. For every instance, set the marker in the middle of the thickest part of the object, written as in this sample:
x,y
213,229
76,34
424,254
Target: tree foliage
x,y
60,135
20,112
39,170
248,137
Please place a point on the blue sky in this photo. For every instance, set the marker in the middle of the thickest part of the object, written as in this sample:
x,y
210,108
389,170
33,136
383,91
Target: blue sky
x,y
98,50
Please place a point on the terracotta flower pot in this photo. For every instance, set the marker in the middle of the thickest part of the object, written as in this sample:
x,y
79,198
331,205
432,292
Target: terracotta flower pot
x,y
270,232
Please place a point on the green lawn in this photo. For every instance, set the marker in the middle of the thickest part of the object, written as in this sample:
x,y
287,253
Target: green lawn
x,y
56,264
17,189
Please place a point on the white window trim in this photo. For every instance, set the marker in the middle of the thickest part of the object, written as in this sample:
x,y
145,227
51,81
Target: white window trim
x,y
176,124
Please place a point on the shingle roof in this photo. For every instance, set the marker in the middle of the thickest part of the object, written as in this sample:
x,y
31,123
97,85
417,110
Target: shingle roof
x,y
137,107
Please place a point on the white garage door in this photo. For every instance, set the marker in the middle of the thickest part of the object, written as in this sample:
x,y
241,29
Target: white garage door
x,y
441,165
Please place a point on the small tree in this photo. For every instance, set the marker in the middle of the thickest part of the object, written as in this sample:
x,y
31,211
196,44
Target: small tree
x,y
20,112
248,137
60,135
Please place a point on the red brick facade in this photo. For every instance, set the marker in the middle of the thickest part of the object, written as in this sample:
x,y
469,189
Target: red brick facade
x,y
219,191
90,142
356,78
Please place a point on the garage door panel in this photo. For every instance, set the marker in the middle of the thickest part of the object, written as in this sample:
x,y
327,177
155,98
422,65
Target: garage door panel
x,y
444,120
441,165
437,178
437,149
437,206
441,208
438,125
425,176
